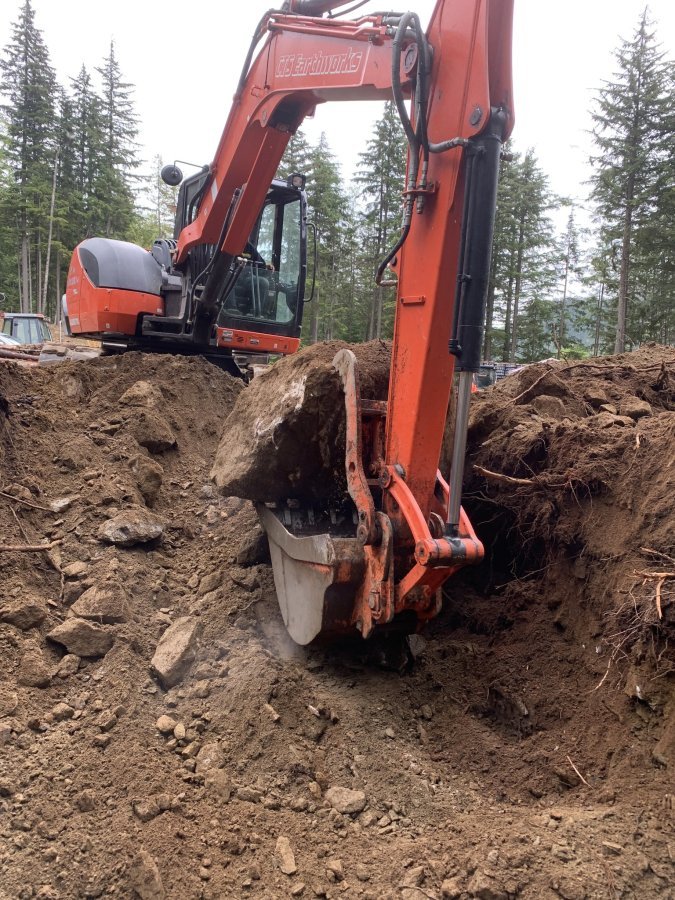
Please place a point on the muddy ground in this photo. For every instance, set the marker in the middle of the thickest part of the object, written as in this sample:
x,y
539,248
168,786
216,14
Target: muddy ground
x,y
528,751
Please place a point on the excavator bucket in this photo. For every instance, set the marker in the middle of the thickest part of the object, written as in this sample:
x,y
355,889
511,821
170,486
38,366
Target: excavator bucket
x,y
331,584
338,578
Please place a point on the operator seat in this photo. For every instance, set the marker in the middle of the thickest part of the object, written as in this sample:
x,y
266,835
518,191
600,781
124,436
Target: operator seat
x,y
251,293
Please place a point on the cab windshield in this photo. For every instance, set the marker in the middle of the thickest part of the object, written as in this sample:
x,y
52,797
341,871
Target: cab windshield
x,y
269,283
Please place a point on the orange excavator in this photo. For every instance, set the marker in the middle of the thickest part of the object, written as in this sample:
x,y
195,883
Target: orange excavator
x,y
407,532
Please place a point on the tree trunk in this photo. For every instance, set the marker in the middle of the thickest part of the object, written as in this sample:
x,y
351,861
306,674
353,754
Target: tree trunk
x,y
490,306
620,342
38,274
58,312
25,274
598,319
563,302
51,231
516,294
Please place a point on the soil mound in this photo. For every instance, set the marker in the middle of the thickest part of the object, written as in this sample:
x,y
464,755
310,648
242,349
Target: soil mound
x,y
162,737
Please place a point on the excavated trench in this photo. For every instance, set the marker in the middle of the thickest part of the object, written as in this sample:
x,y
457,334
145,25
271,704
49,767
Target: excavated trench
x,y
514,758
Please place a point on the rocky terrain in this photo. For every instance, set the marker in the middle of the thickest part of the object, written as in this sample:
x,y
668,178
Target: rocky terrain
x,y
161,736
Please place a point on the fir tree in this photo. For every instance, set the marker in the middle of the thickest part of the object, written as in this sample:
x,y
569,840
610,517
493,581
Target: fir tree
x,y
381,176
630,132
119,159
29,88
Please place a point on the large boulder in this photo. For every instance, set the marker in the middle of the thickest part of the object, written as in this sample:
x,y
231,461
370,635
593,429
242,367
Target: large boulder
x,y
285,436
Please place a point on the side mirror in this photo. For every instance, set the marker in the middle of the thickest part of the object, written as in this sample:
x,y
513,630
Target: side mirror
x,y
171,175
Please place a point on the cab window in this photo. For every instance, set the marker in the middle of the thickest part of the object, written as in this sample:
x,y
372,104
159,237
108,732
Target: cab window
x,y
267,287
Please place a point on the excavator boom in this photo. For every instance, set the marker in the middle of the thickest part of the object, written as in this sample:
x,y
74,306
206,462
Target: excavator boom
x,y
452,88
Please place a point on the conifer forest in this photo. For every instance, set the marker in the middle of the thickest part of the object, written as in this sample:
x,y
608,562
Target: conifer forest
x,y
570,277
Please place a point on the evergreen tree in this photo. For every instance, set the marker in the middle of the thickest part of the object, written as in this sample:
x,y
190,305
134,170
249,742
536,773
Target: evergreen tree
x,y
522,273
631,115
381,176
115,178
328,210
29,88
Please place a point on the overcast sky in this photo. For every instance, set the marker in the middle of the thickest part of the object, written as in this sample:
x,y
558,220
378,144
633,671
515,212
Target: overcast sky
x,y
185,68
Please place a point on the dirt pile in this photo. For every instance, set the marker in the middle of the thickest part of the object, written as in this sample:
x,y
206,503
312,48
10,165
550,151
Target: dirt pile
x,y
285,437
160,735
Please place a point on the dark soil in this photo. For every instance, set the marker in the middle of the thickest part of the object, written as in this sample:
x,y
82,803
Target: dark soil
x,y
527,752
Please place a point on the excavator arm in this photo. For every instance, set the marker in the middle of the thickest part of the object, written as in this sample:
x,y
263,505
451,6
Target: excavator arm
x,y
452,87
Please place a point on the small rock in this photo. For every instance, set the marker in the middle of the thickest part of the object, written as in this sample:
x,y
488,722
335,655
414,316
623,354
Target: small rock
x,y
361,872
219,782
179,731
274,715
335,867
151,431
135,525
346,800
68,666
107,720
210,583
142,393
368,818
285,856
485,888
190,751
249,794
634,408
82,638
165,725
414,877
7,787
549,407
61,504
85,801
26,613
603,419
146,810
254,550
9,701
595,396
33,670
101,741
76,569
451,889
145,879
105,603
148,474
299,889
612,849
209,757
176,651
201,690
62,711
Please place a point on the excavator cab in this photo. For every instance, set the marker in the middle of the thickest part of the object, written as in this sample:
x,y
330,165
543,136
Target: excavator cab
x,y
262,312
